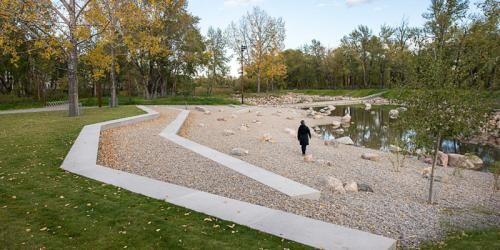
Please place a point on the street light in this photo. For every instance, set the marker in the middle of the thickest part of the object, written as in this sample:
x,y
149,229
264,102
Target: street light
x,y
242,49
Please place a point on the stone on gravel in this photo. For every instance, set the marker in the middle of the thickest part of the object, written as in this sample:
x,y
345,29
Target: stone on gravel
x,y
333,183
462,161
364,188
426,172
308,158
207,112
228,132
332,143
201,109
351,187
221,119
370,156
346,140
243,127
267,138
239,151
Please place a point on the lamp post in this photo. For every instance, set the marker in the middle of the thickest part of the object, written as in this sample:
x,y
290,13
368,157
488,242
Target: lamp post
x,y
242,49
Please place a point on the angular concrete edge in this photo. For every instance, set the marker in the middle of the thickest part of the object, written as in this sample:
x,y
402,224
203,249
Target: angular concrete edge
x,y
275,181
82,158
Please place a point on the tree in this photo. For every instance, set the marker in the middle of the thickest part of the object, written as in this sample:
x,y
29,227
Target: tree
x,y
261,34
217,67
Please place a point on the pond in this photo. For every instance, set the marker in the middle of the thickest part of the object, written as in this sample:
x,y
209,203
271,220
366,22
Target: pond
x,y
371,129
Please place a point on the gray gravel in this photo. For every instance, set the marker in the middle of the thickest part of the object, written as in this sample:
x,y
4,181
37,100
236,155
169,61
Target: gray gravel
x,y
396,209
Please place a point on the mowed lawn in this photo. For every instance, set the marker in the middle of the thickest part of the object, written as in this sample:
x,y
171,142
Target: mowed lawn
x,y
42,206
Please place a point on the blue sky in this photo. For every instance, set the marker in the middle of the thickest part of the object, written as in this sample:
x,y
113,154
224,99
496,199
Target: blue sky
x,y
324,20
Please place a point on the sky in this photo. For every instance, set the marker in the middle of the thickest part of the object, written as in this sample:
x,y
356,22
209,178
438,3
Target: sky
x,y
324,20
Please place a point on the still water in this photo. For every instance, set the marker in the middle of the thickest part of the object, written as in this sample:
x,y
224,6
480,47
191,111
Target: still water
x,y
372,129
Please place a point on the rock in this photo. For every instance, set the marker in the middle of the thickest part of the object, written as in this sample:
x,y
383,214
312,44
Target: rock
x,y
239,151
364,188
442,159
228,132
267,138
316,129
234,116
207,112
315,117
346,118
351,187
427,160
368,106
221,119
201,109
370,156
401,109
333,184
426,172
475,160
340,131
335,124
331,143
461,161
221,110
393,114
308,158
290,131
289,118
329,163
345,140
243,127
331,107
201,125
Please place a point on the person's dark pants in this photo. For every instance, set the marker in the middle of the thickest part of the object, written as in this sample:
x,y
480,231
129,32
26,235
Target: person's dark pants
x,y
304,149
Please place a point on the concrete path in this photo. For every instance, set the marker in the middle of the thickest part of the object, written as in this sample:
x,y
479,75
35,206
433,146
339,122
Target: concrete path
x,y
35,110
82,158
278,182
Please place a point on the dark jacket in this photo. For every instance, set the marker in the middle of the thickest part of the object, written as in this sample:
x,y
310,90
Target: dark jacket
x,y
303,135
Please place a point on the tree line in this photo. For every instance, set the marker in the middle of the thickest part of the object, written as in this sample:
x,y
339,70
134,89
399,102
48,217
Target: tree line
x,y
71,48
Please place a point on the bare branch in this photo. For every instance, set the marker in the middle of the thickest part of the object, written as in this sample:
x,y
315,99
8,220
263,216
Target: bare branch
x,y
82,9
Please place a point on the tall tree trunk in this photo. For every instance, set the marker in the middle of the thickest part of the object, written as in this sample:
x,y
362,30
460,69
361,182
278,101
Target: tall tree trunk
x,y
259,71
73,63
99,94
436,153
114,101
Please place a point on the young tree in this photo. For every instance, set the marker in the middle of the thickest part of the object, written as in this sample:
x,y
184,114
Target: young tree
x,y
217,67
261,34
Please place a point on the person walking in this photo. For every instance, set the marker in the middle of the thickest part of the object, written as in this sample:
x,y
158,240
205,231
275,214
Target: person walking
x,y
303,135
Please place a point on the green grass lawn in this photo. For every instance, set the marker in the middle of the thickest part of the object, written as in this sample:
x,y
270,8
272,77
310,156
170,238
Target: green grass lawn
x,y
474,240
42,206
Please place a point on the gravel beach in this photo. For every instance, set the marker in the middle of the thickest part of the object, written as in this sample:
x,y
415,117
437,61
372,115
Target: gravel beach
x,y
397,208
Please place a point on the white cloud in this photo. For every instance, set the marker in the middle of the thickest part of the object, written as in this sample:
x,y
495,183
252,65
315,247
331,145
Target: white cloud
x,y
240,2
352,3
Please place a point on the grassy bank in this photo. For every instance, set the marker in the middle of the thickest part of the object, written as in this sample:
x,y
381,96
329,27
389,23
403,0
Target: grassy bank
x,y
480,240
14,102
42,206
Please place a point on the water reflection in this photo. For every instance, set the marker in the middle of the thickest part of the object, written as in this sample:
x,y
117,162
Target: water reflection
x,y
372,129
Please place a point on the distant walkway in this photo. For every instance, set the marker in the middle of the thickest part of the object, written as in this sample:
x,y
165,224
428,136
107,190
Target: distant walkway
x,y
278,182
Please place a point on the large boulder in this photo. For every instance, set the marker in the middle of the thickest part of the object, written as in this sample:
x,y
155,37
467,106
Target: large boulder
x,y
331,107
442,159
239,151
370,156
351,187
468,162
308,158
345,140
336,124
333,183
346,118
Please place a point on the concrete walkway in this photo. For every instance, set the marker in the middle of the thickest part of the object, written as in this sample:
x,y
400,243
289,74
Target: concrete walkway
x,y
278,182
82,158
36,110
